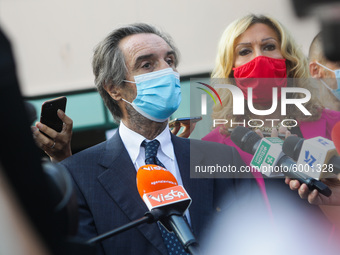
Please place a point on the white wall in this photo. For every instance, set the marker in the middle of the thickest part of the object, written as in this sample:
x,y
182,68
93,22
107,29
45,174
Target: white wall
x,y
54,39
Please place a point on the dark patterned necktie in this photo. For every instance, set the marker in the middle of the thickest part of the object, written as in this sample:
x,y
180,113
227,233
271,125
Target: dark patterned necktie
x,y
171,242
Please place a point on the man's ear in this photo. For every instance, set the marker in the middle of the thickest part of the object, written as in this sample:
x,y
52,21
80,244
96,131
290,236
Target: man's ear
x,y
113,91
315,70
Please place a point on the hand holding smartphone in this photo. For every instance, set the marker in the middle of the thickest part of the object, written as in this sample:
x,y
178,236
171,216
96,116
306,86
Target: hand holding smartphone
x,y
187,123
49,115
184,121
55,140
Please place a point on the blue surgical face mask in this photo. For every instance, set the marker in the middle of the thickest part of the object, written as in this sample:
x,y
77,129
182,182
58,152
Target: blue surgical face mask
x,y
158,94
336,92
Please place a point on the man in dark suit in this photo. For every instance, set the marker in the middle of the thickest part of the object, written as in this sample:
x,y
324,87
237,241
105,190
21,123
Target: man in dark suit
x,y
135,73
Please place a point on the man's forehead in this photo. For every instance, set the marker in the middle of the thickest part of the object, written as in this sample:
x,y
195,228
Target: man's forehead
x,y
142,44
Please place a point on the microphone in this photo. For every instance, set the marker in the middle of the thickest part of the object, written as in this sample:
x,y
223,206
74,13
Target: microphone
x,y
160,192
166,202
336,136
270,160
161,180
245,139
152,178
318,154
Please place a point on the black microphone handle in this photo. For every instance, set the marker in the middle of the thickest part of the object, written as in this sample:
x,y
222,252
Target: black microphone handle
x,y
183,232
288,163
335,162
178,225
118,230
256,145
149,217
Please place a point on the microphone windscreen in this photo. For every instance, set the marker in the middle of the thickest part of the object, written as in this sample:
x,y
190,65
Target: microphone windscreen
x,y
152,178
245,138
292,146
336,136
237,135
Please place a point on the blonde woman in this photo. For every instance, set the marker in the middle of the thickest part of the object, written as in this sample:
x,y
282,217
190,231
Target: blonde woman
x,y
255,47
260,47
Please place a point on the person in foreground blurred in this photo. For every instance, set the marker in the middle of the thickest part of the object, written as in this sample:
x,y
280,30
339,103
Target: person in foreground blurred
x,y
135,74
326,72
261,235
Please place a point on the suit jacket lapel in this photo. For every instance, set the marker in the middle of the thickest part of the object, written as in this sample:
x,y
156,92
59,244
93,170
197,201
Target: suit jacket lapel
x,y
119,180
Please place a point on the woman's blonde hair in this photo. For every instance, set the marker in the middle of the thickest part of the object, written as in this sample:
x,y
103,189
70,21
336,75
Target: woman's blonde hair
x,y
296,62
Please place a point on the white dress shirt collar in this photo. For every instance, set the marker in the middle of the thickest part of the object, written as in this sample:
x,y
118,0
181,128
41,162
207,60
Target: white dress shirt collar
x,y
132,142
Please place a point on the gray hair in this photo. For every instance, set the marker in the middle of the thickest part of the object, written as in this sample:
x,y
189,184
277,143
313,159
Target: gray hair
x,y
109,65
315,49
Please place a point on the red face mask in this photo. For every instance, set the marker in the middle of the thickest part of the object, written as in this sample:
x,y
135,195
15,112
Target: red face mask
x,y
250,75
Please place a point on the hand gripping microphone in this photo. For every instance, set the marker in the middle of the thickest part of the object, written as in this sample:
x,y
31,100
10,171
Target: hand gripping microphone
x,y
318,154
270,160
160,192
